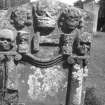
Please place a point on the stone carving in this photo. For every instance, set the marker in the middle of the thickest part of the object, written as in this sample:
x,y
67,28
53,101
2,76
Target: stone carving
x,y
70,19
55,43
82,44
35,42
70,23
7,38
66,43
11,66
81,49
11,94
8,80
46,14
11,97
21,17
76,84
23,42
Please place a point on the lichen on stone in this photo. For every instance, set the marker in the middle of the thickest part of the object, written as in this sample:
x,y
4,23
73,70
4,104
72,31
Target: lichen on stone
x,y
45,82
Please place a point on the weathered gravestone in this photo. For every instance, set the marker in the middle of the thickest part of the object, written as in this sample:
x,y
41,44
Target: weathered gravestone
x,y
44,55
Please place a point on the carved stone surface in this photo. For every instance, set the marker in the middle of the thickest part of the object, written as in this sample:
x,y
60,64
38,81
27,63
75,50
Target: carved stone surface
x,y
47,62
70,19
3,14
82,44
11,66
66,44
76,85
7,38
11,97
46,13
23,41
21,16
39,84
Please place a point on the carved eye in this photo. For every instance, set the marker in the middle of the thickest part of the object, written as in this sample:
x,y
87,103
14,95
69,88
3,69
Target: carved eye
x,y
82,43
2,39
40,13
86,43
8,40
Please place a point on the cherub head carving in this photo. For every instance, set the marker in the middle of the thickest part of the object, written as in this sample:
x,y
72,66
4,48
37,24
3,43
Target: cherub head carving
x,y
21,17
70,19
7,38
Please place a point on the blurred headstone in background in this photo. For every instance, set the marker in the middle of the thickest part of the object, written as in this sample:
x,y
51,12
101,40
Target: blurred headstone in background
x,y
18,2
79,4
5,4
93,8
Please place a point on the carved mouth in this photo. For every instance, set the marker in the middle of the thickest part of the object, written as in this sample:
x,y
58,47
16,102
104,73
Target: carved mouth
x,y
83,51
23,47
46,22
5,47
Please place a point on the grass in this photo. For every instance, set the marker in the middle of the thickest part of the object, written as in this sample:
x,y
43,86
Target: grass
x,y
96,78
91,98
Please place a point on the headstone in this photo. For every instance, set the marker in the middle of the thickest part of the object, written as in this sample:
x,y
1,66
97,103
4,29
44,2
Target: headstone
x,y
93,8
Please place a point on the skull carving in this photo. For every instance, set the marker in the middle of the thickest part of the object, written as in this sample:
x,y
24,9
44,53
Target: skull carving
x,y
45,14
23,42
82,44
7,38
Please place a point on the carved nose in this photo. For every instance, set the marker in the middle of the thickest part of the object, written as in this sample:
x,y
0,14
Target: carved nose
x,y
5,41
48,15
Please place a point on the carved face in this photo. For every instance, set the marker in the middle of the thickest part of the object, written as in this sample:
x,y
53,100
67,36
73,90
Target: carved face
x,y
83,44
45,12
5,44
23,41
21,17
83,48
7,39
69,20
